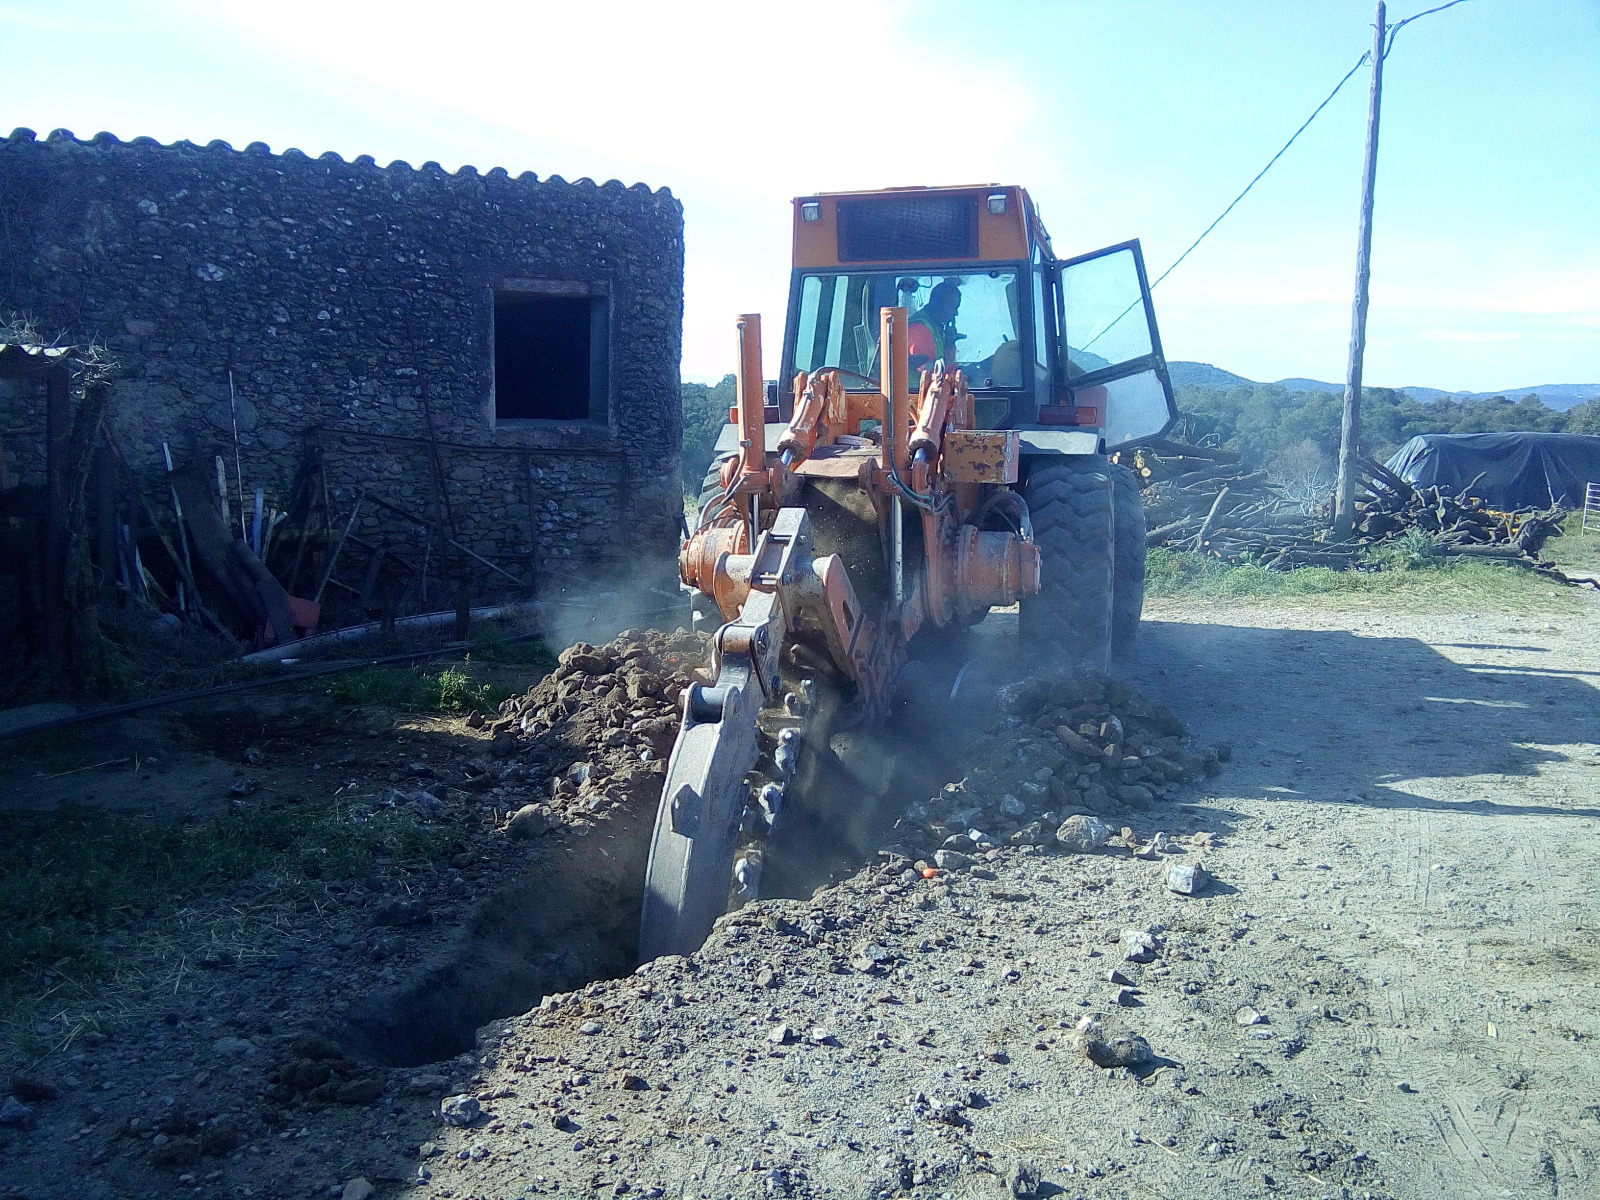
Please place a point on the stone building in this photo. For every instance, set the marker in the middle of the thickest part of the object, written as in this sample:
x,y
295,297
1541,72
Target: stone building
x,y
489,361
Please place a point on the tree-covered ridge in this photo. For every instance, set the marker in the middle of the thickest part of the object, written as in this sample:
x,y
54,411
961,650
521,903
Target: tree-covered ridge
x,y
1293,432
1275,427
705,412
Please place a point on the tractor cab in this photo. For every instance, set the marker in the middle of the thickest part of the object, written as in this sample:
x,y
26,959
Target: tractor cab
x,y
1049,347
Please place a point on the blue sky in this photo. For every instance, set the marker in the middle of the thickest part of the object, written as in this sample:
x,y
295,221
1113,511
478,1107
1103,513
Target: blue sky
x,y
1125,118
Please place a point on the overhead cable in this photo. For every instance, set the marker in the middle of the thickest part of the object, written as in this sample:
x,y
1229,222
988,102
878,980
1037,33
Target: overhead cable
x,y
1388,46
1269,165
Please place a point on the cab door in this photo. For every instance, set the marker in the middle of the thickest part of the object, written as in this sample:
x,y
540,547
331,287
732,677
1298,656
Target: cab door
x,y
1110,359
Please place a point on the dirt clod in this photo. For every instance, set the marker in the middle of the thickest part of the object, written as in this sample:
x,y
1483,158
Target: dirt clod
x,y
1108,1050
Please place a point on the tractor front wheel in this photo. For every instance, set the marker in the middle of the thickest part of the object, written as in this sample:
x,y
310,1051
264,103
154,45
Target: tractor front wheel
x,y
1127,583
1073,509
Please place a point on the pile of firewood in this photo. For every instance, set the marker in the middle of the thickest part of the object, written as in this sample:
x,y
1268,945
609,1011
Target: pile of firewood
x,y
1207,500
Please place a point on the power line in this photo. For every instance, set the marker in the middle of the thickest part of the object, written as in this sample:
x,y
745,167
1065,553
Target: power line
x,y
1269,165
1388,46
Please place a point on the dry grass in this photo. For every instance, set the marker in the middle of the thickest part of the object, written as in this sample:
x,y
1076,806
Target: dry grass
x,y
98,908
1576,552
1412,583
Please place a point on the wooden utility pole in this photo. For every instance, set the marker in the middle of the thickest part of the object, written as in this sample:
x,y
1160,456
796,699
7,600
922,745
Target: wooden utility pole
x,y
1350,431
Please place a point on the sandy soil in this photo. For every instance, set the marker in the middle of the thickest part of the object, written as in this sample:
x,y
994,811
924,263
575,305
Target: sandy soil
x,y
1405,877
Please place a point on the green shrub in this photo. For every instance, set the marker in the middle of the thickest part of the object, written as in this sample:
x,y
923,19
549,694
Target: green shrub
x,y
451,690
1412,550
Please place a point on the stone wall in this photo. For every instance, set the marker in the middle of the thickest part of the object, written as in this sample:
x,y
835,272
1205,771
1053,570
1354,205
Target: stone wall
x,y
22,433
352,305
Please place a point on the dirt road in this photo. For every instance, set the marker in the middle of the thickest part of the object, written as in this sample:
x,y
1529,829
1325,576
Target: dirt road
x,y
1391,990
1404,908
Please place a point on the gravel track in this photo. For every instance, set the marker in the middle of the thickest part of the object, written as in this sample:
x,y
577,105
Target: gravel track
x,y
1404,897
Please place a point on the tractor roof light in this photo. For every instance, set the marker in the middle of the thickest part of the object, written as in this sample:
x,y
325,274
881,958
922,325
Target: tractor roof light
x,y
810,210
997,204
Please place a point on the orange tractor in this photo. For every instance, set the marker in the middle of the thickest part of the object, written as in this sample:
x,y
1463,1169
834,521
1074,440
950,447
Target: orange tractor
x,y
942,450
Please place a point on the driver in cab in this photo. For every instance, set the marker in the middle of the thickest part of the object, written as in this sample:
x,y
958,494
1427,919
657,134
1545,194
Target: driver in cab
x,y
931,330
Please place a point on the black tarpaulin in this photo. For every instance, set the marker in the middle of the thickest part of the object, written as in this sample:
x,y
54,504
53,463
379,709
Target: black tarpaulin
x,y
1513,470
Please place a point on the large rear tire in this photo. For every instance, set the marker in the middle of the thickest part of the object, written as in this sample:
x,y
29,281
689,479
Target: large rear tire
x,y
1127,584
703,614
1073,511
711,485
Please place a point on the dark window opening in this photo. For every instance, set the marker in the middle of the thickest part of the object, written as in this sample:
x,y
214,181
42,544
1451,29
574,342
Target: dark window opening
x,y
548,358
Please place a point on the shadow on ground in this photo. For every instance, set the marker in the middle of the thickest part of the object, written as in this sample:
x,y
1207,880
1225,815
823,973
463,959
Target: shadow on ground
x,y
1370,712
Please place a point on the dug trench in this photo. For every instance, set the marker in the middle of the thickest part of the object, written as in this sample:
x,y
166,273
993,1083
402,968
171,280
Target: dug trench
x,y
933,782
571,919
331,1011
571,916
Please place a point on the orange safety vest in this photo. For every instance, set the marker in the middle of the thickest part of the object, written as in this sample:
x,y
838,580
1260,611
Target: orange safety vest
x,y
924,337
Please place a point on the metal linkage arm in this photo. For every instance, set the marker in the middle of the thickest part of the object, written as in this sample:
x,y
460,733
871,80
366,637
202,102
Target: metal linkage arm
x,y
818,398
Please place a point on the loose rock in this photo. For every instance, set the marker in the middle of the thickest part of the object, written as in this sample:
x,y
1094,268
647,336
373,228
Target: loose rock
x,y
529,822
1137,946
1122,1050
1082,834
952,860
234,1048
1187,879
460,1111
1033,834
1023,1180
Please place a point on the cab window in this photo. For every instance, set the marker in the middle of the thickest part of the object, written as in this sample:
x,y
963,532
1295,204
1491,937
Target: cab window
x,y
970,320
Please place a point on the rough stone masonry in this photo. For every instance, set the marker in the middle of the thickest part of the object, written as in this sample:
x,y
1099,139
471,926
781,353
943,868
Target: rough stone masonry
x,y
357,309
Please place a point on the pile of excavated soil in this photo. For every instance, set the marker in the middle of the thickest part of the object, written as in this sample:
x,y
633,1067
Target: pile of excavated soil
x,y
596,732
1063,747
874,1039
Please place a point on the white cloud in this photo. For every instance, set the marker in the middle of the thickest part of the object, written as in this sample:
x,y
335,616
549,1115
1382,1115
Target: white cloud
x,y
737,106
763,98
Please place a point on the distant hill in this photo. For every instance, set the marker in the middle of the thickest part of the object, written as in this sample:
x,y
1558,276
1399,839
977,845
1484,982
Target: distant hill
x,y
1559,396
1313,385
1193,374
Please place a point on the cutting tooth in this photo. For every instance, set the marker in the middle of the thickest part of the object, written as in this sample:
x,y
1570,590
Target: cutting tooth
x,y
747,874
787,756
798,703
771,800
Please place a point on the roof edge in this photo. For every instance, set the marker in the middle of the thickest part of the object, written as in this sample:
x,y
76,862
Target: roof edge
x,y
104,141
